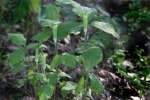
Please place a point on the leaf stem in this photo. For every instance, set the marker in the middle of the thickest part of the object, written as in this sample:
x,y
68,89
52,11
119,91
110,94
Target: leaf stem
x,y
85,86
85,24
54,29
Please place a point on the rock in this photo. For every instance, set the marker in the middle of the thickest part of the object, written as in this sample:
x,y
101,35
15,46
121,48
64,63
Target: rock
x,y
135,98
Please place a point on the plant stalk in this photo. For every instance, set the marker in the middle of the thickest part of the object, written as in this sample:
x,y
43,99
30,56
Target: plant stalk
x,y
55,27
85,24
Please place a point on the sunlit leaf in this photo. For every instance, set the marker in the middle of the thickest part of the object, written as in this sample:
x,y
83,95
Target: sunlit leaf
x,y
106,27
49,23
63,74
36,5
83,11
65,1
17,39
69,86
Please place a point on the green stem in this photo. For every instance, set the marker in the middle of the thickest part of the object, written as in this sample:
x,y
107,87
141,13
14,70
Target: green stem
x,y
85,24
37,59
43,61
55,27
85,87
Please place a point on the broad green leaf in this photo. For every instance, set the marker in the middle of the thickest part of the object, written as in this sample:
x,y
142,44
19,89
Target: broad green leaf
x,y
106,27
39,77
33,46
42,60
56,61
46,92
65,1
52,12
52,77
91,57
20,11
16,60
102,39
63,74
49,23
17,39
69,86
80,86
17,56
83,11
69,60
41,37
84,46
95,84
68,27
77,8
17,67
36,5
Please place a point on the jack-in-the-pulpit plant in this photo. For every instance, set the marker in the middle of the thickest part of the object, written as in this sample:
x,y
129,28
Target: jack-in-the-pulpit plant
x,y
46,75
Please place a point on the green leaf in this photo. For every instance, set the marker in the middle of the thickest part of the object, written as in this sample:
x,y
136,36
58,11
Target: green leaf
x,y
33,46
65,1
102,39
83,11
17,56
46,92
68,27
106,27
39,77
52,12
95,84
17,39
91,57
42,60
36,6
41,37
69,86
49,23
16,60
66,59
17,67
56,61
69,60
64,75
52,77
20,11
80,86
